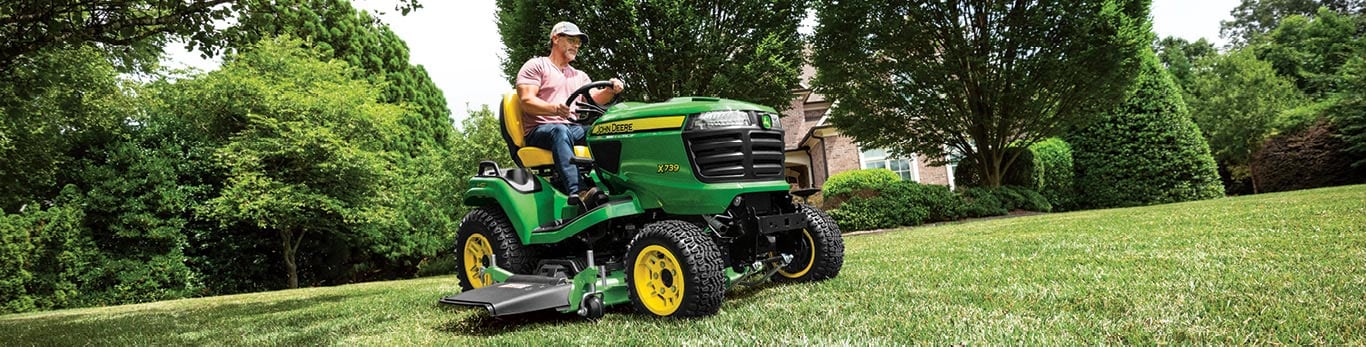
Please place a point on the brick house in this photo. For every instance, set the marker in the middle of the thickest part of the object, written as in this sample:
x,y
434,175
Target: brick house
x,y
816,150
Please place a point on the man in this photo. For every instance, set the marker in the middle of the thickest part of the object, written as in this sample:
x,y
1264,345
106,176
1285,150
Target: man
x,y
544,84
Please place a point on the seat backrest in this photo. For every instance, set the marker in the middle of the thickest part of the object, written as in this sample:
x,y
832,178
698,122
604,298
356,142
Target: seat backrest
x,y
510,119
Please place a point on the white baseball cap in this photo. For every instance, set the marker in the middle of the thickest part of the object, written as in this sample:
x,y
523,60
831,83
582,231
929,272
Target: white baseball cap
x,y
567,28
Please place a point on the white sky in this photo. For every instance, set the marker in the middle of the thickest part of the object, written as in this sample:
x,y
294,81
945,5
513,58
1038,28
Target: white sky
x,y
457,42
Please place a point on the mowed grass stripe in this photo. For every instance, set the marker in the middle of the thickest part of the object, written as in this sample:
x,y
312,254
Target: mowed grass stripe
x,y
1272,268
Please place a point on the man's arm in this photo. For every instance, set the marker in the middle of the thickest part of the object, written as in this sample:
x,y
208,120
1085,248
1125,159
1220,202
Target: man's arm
x,y
605,95
534,105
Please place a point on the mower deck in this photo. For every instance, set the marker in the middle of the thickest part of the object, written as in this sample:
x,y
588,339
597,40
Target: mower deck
x,y
520,294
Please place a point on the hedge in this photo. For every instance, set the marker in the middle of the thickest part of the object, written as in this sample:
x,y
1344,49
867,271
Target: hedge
x,y
1146,151
1053,173
906,203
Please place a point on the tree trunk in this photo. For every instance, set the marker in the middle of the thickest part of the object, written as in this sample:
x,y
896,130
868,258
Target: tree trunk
x,y
291,248
990,169
1252,174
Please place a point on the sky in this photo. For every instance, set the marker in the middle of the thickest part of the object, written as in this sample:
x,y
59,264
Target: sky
x,y
457,42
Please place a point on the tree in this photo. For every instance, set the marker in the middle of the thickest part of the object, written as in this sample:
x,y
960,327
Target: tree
x,y
480,139
1179,56
308,158
1349,113
47,129
974,77
1310,50
362,41
1252,18
746,50
135,29
46,254
1238,101
1145,151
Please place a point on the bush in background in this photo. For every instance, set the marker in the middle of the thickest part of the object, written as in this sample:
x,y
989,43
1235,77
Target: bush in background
x,y
840,187
878,198
1146,151
1053,173
1311,158
45,256
980,202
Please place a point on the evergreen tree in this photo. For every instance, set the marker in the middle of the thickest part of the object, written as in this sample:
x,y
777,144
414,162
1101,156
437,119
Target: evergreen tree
x,y
746,49
1146,151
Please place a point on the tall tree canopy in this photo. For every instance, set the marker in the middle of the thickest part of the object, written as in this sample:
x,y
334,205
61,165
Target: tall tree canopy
x,y
742,49
974,77
1311,49
308,158
135,29
362,41
1252,18
1238,101
1180,56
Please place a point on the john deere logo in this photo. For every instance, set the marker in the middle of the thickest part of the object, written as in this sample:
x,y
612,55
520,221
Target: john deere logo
x,y
766,121
613,128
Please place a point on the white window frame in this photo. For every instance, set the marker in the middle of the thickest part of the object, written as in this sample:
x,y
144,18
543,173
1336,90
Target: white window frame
x,y
913,161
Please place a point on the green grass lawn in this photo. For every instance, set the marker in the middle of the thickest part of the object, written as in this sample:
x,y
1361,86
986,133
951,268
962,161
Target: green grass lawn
x,y
1274,268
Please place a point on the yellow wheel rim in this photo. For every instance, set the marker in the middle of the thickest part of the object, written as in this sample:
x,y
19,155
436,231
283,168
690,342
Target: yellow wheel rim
x,y
810,260
658,280
477,253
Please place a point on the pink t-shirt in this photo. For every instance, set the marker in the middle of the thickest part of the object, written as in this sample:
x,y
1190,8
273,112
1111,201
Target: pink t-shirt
x,y
555,83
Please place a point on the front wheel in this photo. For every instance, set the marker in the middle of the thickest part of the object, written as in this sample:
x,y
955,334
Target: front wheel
x,y
673,269
817,250
483,234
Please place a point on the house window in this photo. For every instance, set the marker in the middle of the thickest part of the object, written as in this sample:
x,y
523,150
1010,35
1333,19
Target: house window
x,y
879,158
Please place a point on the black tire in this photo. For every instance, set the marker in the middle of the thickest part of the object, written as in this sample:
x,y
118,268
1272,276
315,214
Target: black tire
x,y
702,280
818,263
490,232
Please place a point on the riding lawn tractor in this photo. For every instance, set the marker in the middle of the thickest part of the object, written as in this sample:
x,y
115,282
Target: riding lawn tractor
x,y
693,202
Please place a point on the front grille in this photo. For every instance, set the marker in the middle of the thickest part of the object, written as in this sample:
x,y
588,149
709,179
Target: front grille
x,y
746,154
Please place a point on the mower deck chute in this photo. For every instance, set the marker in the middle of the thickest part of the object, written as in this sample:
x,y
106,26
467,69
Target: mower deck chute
x,y
520,294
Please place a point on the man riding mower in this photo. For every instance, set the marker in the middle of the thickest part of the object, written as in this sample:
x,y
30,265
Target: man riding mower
x,y
692,202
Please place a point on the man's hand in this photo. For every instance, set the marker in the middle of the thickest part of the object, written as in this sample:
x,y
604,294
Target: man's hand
x,y
562,111
605,94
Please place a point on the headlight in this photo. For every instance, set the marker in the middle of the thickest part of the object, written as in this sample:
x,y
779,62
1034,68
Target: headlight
x,y
771,121
721,119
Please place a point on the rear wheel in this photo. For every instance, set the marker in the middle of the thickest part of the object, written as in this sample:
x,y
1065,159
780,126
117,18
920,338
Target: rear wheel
x,y
675,270
484,233
817,250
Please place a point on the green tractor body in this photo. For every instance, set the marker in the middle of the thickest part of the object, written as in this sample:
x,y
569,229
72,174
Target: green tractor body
x,y
695,202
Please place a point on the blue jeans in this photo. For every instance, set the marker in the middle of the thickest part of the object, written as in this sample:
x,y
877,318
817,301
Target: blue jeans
x,y
560,140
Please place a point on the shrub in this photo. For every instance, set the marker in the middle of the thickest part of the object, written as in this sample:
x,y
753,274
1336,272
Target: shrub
x,y
876,213
1309,159
842,186
1146,151
45,256
981,202
1053,173
900,203
1021,198
940,203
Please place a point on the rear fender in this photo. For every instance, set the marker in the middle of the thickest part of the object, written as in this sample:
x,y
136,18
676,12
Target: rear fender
x,y
522,208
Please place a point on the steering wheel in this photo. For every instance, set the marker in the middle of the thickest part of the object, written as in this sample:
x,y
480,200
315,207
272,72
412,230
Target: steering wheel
x,y
589,110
